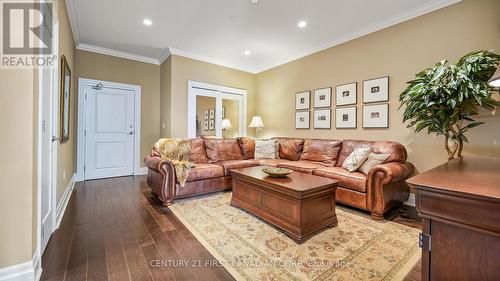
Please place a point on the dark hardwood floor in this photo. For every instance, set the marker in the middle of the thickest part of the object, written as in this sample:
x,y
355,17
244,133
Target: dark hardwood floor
x,y
113,229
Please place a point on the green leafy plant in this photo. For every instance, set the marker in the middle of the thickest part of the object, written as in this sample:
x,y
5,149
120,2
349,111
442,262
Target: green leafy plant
x,y
444,98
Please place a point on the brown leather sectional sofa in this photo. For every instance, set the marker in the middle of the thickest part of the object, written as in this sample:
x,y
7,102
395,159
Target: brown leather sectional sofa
x,y
383,188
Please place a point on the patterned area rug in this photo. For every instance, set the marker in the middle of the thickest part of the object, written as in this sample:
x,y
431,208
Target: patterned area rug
x,y
359,248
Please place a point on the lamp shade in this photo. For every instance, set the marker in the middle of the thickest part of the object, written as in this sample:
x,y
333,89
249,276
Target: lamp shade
x,y
226,124
256,122
495,79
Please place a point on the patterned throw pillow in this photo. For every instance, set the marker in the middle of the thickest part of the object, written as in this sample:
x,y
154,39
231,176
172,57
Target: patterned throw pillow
x,y
265,149
373,160
356,159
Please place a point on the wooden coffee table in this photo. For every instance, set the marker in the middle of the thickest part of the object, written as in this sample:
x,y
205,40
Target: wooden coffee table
x,y
300,204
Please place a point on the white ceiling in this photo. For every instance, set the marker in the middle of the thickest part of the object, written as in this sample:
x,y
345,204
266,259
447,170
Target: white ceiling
x,y
219,31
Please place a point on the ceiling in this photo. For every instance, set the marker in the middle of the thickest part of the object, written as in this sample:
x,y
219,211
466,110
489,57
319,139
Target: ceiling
x,y
220,31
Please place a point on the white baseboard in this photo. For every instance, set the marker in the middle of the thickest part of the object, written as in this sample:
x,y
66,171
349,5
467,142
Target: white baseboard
x,y
411,200
26,271
61,207
141,171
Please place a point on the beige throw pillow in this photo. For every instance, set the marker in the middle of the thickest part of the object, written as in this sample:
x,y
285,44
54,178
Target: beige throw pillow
x,y
265,149
373,160
356,159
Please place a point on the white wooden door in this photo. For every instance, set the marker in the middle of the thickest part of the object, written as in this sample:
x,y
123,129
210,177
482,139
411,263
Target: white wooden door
x,y
49,100
109,133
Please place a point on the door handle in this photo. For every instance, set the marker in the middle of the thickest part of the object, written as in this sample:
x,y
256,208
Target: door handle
x,y
54,138
131,132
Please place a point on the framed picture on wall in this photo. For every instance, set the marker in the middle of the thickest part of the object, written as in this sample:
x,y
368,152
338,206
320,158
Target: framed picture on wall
x,y
206,114
302,100
376,90
302,120
212,114
211,125
346,94
345,118
322,119
376,116
323,97
205,125
65,94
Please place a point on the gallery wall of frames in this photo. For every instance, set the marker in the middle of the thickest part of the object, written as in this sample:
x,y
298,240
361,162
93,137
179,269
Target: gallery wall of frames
x,y
320,103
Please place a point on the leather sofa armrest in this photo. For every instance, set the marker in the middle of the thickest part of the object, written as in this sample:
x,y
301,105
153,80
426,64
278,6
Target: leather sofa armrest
x,y
386,187
161,177
155,163
392,171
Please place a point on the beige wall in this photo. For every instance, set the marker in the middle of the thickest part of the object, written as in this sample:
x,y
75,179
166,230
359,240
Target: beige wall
x,y
108,68
184,69
17,182
66,155
399,52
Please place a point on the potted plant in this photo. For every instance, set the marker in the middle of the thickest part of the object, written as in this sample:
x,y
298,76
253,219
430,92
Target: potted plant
x,y
443,99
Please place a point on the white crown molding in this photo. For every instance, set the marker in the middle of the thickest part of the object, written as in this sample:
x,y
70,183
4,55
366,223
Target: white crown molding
x,y
26,271
165,56
115,53
194,56
405,16
73,20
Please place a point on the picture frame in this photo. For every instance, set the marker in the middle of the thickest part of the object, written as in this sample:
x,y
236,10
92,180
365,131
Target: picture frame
x,y
223,112
376,90
211,125
212,113
345,117
205,115
322,119
302,100
205,125
302,120
323,97
346,94
65,99
376,116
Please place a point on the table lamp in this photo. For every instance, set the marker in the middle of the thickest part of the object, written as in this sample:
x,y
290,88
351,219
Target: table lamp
x,y
257,124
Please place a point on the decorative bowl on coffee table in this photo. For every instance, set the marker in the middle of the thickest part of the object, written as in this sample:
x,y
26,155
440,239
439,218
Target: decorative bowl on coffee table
x,y
277,172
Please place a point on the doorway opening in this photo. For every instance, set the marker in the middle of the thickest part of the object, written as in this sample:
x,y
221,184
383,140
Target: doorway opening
x,y
216,111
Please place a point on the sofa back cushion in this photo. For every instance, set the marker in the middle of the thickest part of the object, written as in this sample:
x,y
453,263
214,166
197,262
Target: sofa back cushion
x,y
197,151
222,150
247,146
396,151
290,148
325,151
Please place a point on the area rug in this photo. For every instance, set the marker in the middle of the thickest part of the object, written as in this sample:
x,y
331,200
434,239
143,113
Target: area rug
x,y
359,248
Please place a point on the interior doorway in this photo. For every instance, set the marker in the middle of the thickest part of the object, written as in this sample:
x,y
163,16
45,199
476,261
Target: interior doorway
x,y
108,129
216,111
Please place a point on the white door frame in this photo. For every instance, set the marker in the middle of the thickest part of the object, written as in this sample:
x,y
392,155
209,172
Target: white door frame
x,y
84,82
219,92
52,124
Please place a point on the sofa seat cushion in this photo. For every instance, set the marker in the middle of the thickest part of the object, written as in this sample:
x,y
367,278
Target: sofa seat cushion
x,y
270,162
235,164
302,166
355,180
205,171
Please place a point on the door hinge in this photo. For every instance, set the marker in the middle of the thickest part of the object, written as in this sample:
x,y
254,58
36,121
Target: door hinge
x,y
424,239
85,132
85,96
43,231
